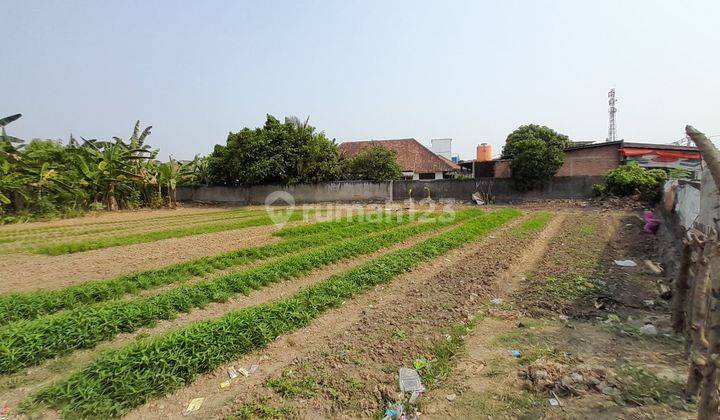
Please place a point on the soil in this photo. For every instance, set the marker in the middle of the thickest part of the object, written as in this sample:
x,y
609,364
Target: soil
x,y
14,388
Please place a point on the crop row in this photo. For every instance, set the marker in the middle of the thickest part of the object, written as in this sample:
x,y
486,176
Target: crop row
x,y
146,225
27,342
120,380
30,305
80,246
13,230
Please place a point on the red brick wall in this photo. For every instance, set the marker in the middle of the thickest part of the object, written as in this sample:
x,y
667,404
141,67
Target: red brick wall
x,y
590,161
594,161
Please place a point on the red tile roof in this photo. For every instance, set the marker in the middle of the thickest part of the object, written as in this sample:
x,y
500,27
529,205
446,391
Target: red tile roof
x,y
411,155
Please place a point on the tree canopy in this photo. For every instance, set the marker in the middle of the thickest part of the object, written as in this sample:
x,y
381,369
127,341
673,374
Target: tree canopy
x,y
373,164
536,153
285,153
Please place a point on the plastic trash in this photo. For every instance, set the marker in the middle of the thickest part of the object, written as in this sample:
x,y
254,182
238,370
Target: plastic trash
x,y
516,352
651,223
224,384
451,397
194,405
394,413
410,380
626,263
232,373
253,369
496,301
244,372
553,402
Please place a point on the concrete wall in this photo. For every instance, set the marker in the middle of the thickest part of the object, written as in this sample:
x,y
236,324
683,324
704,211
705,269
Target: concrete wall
x,y
303,193
349,191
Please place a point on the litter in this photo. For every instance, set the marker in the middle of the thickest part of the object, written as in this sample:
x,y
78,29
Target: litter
x,y
649,303
477,198
410,380
394,413
451,397
553,402
653,267
651,223
232,373
626,263
413,397
564,318
194,405
244,372
556,398
253,369
515,353
648,329
496,301
224,384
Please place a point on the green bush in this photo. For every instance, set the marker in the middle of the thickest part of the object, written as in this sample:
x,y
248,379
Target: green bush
x,y
633,179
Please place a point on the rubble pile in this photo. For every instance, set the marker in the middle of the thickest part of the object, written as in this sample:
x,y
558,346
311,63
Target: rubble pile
x,y
546,375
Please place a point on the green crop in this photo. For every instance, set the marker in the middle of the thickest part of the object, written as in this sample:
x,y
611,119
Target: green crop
x,y
117,381
30,305
536,223
87,245
27,342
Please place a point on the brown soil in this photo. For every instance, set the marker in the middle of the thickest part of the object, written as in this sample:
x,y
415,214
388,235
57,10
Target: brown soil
x,y
14,388
359,326
23,272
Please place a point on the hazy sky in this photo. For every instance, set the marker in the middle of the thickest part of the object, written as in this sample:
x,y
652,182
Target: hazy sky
x,y
473,71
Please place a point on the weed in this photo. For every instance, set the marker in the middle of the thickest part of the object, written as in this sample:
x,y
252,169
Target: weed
x,y
505,403
570,287
642,387
263,410
438,366
288,386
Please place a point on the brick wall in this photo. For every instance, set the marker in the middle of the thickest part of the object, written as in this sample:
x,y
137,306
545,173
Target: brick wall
x,y
593,161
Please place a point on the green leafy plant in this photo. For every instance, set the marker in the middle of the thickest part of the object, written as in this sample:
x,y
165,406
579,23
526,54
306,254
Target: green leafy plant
x,y
25,343
17,306
373,164
116,381
632,178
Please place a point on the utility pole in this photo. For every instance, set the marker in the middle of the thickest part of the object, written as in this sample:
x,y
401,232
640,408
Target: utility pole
x,y
612,130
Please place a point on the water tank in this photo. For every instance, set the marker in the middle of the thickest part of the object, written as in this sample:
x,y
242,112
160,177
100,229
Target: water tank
x,y
484,152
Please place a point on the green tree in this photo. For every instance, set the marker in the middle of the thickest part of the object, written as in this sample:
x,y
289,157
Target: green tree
x,y
536,153
284,153
373,164
630,179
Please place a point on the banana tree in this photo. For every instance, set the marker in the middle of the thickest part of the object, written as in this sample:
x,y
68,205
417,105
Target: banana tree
x,y
171,174
11,183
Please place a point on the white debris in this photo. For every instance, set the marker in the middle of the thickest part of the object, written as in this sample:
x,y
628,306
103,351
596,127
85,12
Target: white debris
x,y
496,301
648,329
626,263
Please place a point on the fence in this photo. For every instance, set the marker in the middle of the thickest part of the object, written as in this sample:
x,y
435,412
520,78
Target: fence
x,y
501,189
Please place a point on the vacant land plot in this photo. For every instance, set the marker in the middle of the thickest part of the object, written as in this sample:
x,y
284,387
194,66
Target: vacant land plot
x,y
224,311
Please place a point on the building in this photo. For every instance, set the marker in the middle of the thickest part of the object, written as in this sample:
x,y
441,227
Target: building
x,y
416,161
597,159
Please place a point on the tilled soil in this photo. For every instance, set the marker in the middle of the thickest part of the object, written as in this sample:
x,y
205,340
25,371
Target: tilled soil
x,y
359,326
24,272
14,388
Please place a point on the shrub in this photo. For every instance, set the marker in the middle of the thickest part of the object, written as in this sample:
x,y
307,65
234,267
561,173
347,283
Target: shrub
x,y
536,154
632,179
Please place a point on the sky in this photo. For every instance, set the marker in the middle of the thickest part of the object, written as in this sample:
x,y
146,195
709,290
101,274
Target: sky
x,y
469,70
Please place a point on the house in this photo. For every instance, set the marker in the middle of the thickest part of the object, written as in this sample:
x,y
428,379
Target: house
x,y
597,159
416,161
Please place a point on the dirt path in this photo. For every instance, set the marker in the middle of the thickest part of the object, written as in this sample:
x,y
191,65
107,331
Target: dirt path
x,y
644,374
14,388
322,337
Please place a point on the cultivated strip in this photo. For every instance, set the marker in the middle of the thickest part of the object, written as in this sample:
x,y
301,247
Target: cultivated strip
x,y
29,305
120,380
25,343
80,246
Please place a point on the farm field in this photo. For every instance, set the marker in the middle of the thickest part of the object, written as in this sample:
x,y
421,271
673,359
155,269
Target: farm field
x,y
139,315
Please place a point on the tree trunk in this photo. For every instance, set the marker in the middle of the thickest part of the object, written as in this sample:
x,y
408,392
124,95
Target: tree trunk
x,y
709,398
112,201
709,152
681,286
697,313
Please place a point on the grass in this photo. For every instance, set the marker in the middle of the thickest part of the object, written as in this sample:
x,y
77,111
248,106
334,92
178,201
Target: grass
x,y
438,365
571,287
642,387
26,343
117,381
533,344
289,386
137,238
505,403
29,305
263,410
